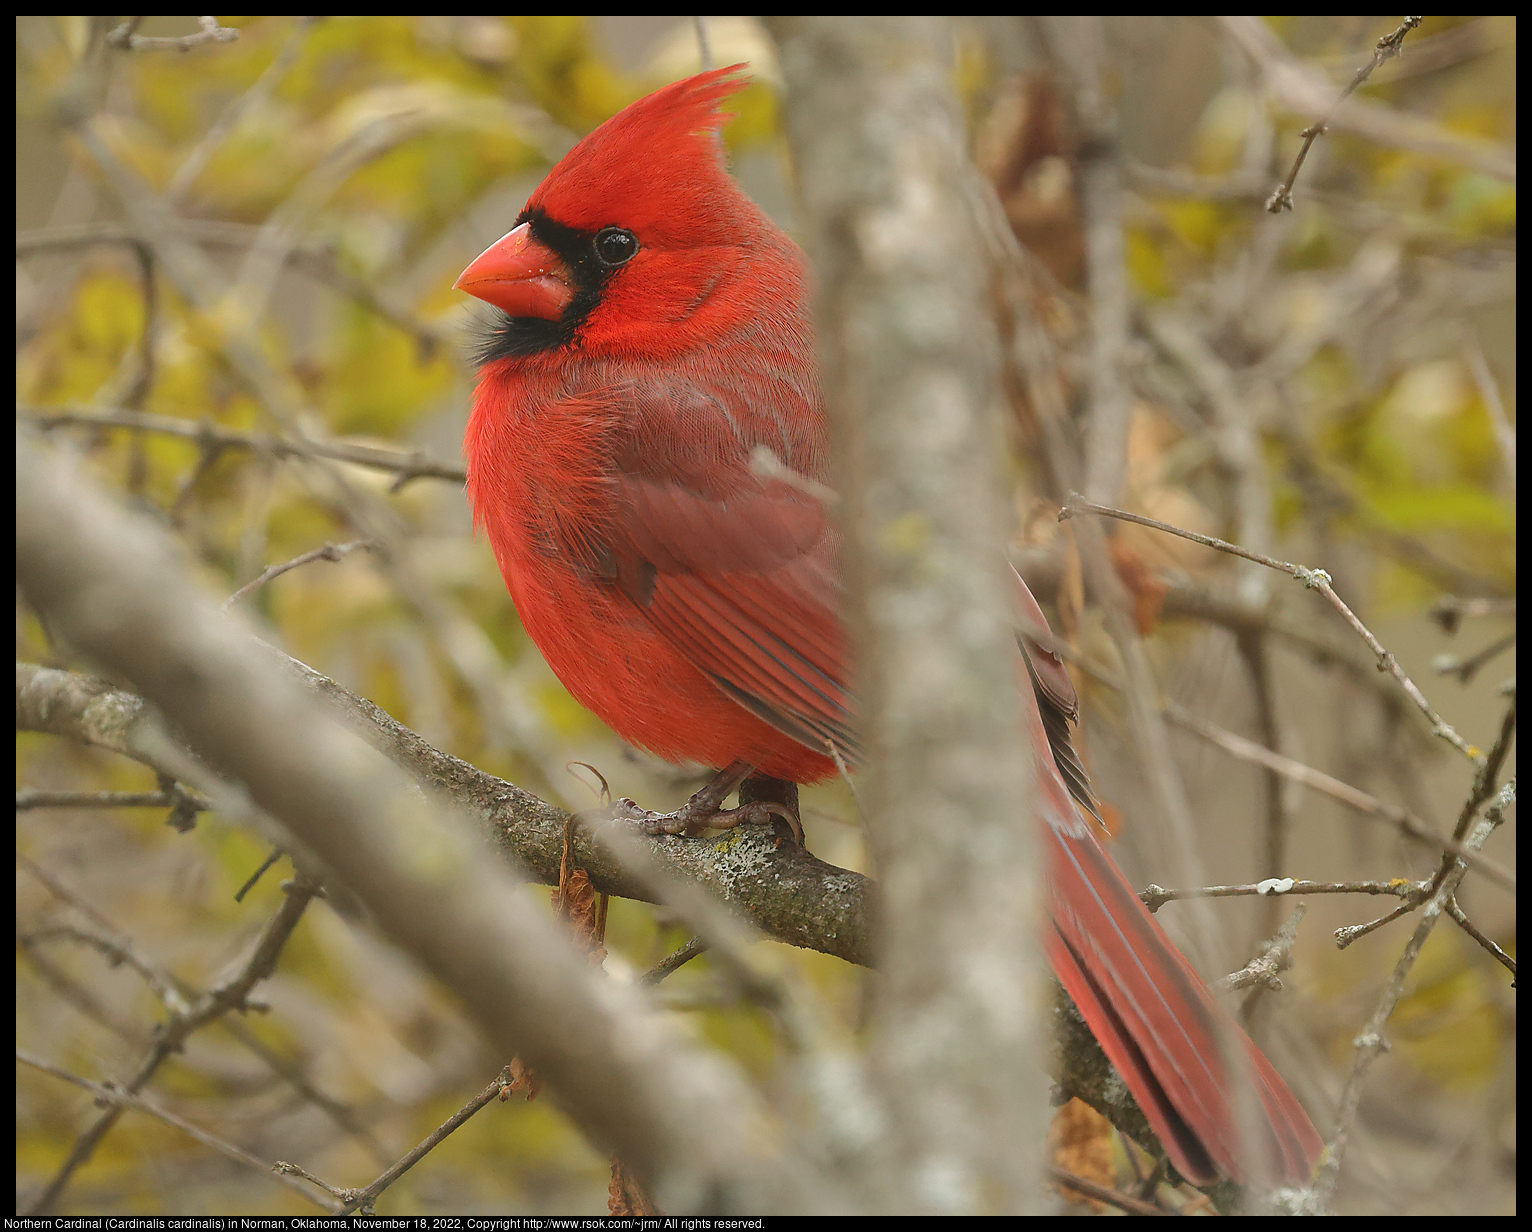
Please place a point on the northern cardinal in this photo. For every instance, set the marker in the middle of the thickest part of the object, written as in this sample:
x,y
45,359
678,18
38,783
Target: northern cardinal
x,y
654,334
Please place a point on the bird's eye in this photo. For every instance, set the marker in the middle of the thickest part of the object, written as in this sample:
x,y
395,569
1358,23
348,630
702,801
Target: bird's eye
x,y
615,245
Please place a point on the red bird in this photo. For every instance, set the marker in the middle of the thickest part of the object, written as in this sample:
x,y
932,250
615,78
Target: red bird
x,y
656,334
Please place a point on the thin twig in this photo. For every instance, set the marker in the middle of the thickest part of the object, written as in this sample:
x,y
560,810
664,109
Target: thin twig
x,y
1314,579
118,951
673,962
177,996
1489,392
414,465
1467,925
1407,823
290,1071
362,1199
1156,896
256,96
1449,611
31,798
330,552
1353,797
239,895
1112,1197
1386,49
1330,498
120,1099
1301,88
283,1168
704,50
209,32
313,257
143,379
1238,185
1489,773
112,941
1370,1042
1253,650
183,1019
1346,934
1465,669
78,995
1276,956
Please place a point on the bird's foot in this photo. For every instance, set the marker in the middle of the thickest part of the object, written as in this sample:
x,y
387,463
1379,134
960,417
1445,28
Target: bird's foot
x,y
693,821
705,811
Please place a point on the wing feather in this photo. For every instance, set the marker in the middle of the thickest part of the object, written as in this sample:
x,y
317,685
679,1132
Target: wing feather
x,y
736,571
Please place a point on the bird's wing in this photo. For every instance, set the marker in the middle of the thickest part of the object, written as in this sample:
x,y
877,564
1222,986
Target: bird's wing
x,y
734,568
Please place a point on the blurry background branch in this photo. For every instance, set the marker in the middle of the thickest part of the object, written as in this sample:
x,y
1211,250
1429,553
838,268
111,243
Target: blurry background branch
x,y
1308,93
910,368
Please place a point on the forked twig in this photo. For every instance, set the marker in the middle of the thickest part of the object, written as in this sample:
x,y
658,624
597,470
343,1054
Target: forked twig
x,y
1386,48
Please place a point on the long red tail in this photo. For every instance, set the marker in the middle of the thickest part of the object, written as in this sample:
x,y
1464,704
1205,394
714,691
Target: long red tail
x,y
1152,1014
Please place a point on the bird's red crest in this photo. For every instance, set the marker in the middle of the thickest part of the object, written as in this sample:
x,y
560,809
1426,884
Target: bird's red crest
x,y
655,167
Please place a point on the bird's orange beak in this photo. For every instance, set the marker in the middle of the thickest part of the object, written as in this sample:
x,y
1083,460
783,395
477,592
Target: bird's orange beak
x,y
520,276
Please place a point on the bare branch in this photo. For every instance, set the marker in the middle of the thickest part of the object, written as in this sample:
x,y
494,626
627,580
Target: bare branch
x,y
229,119
209,31
312,257
1155,896
786,893
1465,669
1302,89
1406,822
30,798
174,994
182,1021
1112,1197
406,465
1346,934
1314,579
1467,925
1264,970
1489,391
1387,49
362,1200
120,1099
674,962
1370,1041
330,551
1450,611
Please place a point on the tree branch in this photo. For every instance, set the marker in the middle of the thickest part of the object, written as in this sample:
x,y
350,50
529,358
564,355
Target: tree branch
x,y
909,366
686,1119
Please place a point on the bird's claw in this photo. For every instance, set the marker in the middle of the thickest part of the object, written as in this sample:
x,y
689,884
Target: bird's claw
x,y
693,821
650,823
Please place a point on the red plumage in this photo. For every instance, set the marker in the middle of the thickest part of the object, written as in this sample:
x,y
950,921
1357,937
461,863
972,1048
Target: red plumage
x,y
657,336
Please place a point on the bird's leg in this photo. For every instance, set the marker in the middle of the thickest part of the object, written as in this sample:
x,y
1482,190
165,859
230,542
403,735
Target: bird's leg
x,y
705,811
763,789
